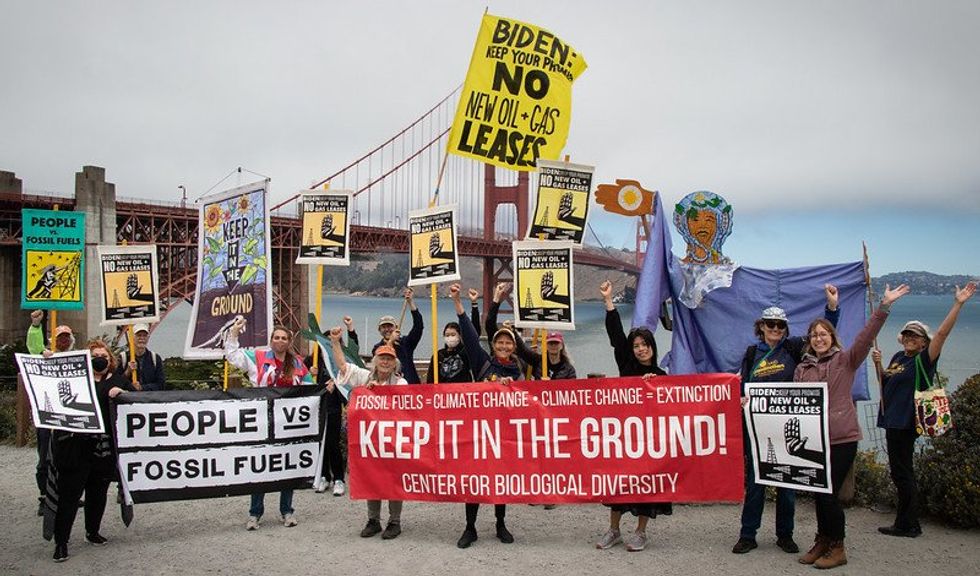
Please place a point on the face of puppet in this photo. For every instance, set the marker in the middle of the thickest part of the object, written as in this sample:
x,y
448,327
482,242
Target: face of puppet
x,y
703,225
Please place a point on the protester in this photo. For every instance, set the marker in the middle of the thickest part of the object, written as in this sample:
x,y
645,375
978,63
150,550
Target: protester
x,y
85,462
61,341
332,475
503,367
148,364
404,345
824,360
453,362
773,359
636,355
897,415
275,366
384,372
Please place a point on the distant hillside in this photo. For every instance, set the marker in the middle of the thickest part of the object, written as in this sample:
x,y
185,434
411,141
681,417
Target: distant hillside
x,y
921,282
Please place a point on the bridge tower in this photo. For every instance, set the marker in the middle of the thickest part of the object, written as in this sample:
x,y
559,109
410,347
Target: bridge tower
x,y
15,321
500,269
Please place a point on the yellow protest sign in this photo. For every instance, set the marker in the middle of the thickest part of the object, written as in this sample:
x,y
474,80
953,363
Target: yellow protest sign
x,y
516,103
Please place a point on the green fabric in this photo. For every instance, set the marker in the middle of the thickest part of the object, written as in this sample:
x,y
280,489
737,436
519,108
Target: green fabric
x,y
35,340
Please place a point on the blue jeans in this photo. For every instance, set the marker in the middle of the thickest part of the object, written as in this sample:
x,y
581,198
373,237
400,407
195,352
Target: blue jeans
x,y
258,503
755,501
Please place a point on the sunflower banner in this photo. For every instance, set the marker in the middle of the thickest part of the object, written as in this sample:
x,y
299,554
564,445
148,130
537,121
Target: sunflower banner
x,y
232,272
543,289
53,253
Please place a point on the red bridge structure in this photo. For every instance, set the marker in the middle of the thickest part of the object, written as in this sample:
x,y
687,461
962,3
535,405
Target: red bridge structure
x,y
493,209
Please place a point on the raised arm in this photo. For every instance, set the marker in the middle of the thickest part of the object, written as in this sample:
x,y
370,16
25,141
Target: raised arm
x,y
862,343
338,352
237,357
942,333
471,341
474,297
832,312
411,340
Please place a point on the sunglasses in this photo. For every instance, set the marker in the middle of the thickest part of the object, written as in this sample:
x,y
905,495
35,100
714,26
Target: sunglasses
x,y
775,324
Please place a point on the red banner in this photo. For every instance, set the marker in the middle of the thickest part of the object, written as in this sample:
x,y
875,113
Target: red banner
x,y
610,440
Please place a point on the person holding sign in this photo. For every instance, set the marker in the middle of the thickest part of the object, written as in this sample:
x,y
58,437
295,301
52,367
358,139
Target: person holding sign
x,y
824,360
503,367
148,365
85,462
277,366
404,347
383,373
636,355
920,355
773,359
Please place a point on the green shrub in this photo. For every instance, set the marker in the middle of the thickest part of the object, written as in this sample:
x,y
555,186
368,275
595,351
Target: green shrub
x,y
8,416
948,470
873,487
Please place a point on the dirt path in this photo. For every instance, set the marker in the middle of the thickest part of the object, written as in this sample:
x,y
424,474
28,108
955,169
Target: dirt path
x,y
208,537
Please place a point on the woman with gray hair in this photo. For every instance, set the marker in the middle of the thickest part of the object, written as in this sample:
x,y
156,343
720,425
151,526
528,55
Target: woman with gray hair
x,y
919,354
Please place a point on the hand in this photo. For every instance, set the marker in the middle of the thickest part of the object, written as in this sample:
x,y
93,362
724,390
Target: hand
x,y
501,290
454,291
506,380
832,296
331,385
132,287
962,295
876,355
36,317
605,289
237,327
314,371
47,353
334,334
893,295
396,335
565,208
744,400
648,376
115,391
349,323
548,288
408,293
130,367
795,445
371,384
473,295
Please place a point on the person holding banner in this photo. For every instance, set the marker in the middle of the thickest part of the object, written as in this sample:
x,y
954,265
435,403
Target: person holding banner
x,y
773,359
332,472
148,364
383,373
276,366
919,358
636,355
503,367
825,360
404,346
85,462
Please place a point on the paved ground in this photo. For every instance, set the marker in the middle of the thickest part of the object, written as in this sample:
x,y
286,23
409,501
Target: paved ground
x,y
208,537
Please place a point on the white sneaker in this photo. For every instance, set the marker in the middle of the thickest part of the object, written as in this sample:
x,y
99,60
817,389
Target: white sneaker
x,y
338,488
289,521
636,541
322,485
253,523
609,539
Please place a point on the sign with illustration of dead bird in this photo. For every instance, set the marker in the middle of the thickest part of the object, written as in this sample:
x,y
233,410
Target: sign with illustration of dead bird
x,y
53,254
61,391
788,435
562,208
232,272
516,102
130,280
326,228
543,291
432,246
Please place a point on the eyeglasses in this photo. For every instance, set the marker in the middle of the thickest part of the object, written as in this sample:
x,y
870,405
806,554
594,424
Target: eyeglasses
x,y
775,324
910,334
818,335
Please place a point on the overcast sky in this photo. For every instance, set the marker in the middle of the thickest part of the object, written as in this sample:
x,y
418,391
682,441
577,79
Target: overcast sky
x,y
822,123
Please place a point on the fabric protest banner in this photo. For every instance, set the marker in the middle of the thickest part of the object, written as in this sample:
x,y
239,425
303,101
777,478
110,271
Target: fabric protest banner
x,y
62,391
326,228
543,287
789,422
130,280
53,255
232,272
433,248
713,337
180,445
516,103
666,439
561,211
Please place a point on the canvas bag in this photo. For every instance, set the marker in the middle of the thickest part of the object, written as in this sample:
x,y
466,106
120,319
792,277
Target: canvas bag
x,y
932,415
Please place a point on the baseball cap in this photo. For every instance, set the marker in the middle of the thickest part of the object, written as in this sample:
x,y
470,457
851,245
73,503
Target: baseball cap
x,y
774,313
385,349
63,329
387,320
141,327
915,327
555,337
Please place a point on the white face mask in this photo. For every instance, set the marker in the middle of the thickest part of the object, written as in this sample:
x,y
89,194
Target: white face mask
x,y
452,341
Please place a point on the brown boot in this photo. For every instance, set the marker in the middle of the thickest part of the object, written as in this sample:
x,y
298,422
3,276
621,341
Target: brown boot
x,y
819,548
833,557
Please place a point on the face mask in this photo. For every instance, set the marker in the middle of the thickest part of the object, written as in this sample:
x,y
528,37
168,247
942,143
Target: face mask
x,y
452,341
100,364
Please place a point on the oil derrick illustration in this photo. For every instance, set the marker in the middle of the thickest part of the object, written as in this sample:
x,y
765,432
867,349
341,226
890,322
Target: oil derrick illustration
x,y
68,277
115,298
309,237
418,260
771,452
528,300
546,218
47,403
